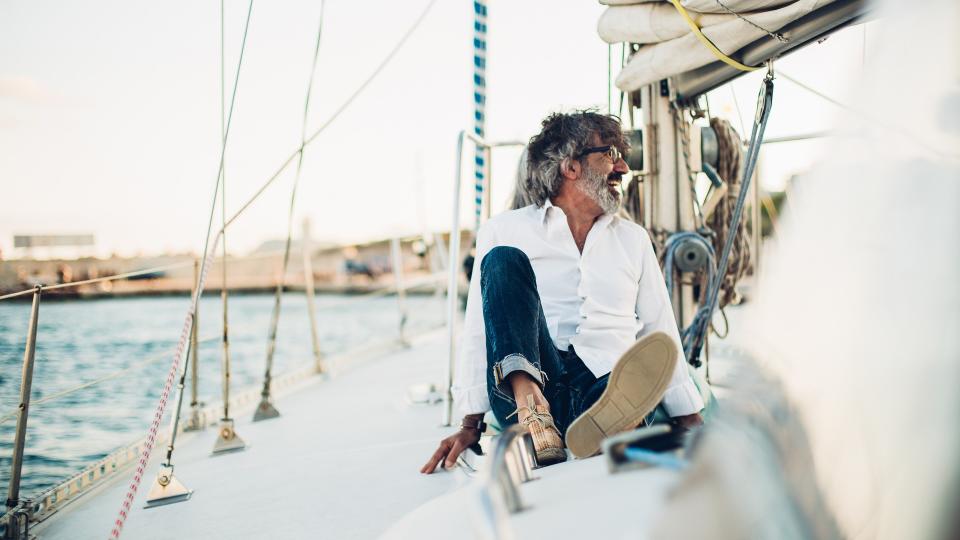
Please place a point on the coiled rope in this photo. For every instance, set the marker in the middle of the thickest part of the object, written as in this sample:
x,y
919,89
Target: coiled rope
x,y
701,323
720,221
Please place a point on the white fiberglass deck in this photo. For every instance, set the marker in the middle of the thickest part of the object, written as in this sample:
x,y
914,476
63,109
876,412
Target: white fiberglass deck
x,y
342,462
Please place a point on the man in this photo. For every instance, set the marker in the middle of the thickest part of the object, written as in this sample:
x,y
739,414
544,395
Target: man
x,y
561,292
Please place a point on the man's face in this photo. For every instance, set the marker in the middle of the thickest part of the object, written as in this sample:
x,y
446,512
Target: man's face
x,y
601,178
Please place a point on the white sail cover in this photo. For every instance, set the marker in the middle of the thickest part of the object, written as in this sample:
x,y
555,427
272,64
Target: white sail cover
x,y
668,47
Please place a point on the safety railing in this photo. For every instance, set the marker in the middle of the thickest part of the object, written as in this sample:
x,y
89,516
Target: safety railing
x,y
453,268
21,513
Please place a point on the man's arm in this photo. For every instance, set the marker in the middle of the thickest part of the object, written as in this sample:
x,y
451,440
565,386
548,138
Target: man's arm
x,y
654,310
470,373
470,376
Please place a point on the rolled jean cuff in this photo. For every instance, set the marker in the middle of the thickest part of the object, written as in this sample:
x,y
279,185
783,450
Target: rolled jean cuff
x,y
512,363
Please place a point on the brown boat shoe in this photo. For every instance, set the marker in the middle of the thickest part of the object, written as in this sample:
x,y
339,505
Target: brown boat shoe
x,y
635,387
546,437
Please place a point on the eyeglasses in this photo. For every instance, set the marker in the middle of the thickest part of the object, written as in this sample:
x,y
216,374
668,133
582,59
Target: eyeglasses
x,y
609,150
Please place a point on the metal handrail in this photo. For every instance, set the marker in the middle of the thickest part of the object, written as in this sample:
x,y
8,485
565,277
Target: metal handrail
x,y
511,464
387,290
453,267
42,505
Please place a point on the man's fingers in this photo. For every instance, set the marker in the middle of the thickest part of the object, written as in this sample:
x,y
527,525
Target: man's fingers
x,y
436,458
454,453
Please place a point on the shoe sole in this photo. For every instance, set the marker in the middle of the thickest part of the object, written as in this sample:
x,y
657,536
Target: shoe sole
x,y
550,456
635,387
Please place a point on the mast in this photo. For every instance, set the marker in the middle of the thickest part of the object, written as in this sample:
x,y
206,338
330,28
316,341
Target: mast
x,y
666,184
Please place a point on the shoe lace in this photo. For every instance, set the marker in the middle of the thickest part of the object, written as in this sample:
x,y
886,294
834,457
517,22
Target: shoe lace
x,y
545,419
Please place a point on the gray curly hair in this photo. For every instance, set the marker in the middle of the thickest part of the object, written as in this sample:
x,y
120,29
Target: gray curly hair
x,y
563,136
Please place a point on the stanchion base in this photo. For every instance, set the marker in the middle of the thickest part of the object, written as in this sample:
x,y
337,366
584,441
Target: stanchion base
x,y
227,439
197,421
265,411
166,489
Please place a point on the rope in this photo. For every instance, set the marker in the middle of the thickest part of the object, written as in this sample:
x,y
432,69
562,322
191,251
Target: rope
x,y
164,396
113,277
702,320
775,35
706,41
728,168
479,98
208,255
684,131
275,316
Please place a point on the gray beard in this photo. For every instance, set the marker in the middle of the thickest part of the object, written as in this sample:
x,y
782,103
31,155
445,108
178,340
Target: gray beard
x,y
594,185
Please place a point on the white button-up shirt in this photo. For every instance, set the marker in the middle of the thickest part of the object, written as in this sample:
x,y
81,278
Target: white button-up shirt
x,y
600,301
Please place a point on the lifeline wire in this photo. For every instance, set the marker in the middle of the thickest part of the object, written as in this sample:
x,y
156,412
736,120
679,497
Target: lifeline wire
x,y
208,254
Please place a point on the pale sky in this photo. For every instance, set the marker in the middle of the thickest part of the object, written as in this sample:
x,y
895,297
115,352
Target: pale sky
x,y
110,112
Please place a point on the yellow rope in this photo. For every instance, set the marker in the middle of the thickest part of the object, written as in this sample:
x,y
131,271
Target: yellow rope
x,y
706,41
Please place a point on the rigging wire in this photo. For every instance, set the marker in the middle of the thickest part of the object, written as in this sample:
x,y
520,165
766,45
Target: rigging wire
x,y
275,316
704,316
346,104
775,35
189,319
225,332
899,130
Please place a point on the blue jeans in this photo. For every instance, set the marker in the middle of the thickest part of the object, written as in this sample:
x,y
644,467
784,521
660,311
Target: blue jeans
x,y
518,340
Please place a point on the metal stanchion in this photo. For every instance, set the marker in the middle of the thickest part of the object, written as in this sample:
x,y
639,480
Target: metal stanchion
x,y
197,421
26,382
397,256
166,489
227,438
308,285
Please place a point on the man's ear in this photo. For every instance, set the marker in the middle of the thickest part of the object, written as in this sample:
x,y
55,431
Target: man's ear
x,y
570,169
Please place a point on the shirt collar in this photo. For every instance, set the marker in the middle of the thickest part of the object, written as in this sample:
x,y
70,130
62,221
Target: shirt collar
x,y
604,220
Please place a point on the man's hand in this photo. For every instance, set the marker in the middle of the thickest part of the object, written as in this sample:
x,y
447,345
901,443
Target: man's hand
x,y
688,421
450,448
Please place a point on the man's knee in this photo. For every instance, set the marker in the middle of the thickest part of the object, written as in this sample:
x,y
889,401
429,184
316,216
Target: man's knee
x,y
504,258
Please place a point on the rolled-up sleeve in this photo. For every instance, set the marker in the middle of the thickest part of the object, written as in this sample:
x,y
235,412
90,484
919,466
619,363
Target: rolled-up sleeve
x,y
470,373
656,314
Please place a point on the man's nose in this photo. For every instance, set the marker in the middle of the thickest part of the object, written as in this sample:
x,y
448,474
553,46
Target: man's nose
x,y
621,166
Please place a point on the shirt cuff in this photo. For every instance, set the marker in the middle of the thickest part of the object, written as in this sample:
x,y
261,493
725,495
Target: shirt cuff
x,y
471,399
683,399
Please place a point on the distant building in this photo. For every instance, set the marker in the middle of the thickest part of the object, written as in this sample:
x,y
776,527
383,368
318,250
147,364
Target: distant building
x,y
53,246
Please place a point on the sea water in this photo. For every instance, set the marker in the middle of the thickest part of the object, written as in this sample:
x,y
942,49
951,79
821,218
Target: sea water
x,y
85,340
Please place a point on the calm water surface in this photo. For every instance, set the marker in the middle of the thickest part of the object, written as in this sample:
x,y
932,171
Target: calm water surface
x,y
78,341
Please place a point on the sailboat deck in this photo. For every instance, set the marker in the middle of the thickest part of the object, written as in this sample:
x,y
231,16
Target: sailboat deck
x,y
342,462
